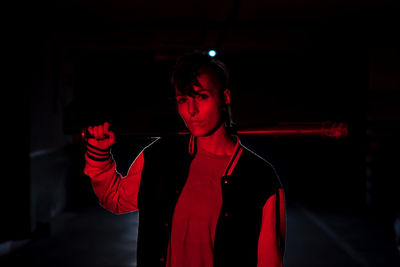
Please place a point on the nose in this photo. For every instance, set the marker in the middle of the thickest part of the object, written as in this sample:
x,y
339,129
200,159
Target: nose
x,y
192,108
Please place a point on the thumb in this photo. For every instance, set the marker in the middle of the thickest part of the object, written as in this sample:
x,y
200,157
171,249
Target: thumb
x,y
111,136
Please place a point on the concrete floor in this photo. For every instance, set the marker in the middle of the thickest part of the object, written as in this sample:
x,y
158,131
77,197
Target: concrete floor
x,y
95,237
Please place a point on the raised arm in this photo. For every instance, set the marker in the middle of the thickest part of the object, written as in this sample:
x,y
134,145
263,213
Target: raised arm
x,y
115,193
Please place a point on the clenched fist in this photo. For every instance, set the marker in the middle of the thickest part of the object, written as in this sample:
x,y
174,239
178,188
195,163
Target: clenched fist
x,y
101,136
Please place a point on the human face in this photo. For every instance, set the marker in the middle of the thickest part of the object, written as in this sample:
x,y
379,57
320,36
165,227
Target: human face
x,y
202,110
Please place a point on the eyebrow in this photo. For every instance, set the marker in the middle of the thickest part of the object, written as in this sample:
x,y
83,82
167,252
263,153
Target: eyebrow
x,y
194,92
201,90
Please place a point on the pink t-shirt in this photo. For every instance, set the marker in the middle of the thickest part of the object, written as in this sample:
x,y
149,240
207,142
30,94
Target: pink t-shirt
x,y
196,213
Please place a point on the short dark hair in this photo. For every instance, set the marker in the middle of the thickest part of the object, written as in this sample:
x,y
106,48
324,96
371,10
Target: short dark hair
x,y
187,69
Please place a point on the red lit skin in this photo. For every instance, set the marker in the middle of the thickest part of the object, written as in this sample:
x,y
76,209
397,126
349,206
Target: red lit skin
x,y
202,114
103,138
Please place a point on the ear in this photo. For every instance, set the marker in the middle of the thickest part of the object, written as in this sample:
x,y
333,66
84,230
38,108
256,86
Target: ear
x,y
227,97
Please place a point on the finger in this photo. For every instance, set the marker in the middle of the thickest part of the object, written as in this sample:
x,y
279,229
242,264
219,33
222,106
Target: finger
x,y
101,131
95,132
98,132
106,127
111,137
90,130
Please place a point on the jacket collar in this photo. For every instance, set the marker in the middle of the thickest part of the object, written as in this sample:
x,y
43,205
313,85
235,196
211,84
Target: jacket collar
x,y
233,160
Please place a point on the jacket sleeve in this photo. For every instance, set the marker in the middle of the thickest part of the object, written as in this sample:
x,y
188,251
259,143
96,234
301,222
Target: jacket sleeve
x,y
272,237
115,193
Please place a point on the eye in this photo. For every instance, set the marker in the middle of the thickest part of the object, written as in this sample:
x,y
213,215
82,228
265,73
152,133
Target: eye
x,y
202,96
181,100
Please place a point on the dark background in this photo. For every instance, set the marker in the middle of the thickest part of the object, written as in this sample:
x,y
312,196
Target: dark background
x,y
78,63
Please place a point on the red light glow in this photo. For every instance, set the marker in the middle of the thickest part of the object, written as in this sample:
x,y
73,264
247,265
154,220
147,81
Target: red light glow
x,y
327,129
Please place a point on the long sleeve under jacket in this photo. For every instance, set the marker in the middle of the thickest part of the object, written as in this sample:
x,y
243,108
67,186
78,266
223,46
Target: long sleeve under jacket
x,y
251,227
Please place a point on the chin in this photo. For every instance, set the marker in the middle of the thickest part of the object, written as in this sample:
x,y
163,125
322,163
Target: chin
x,y
199,133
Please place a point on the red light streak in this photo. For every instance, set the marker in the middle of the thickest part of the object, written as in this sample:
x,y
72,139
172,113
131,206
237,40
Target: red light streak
x,y
326,129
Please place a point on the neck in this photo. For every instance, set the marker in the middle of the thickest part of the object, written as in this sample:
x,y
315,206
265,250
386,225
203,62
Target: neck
x,y
218,143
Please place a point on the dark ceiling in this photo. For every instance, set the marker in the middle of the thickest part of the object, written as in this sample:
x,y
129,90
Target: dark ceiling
x,y
228,25
290,60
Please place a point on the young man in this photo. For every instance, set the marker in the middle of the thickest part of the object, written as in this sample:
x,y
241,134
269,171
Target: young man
x,y
204,199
